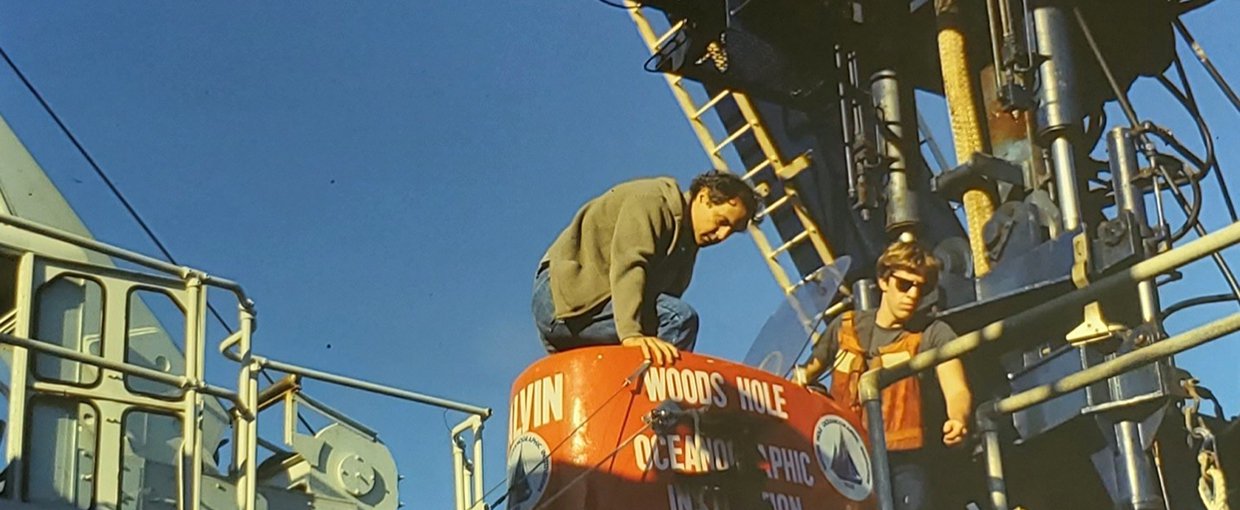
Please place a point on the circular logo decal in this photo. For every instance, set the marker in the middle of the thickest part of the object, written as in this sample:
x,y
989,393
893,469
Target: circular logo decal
x,y
529,470
843,457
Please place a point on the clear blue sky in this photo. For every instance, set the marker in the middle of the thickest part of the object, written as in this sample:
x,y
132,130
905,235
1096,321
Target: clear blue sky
x,y
383,177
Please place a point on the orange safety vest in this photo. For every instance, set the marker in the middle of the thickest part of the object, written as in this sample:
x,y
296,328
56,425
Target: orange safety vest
x,y
901,400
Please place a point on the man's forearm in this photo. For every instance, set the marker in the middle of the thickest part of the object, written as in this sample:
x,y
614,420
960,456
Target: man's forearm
x,y
959,405
956,392
626,303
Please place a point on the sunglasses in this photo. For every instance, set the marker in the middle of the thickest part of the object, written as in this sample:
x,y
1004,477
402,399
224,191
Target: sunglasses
x,y
905,285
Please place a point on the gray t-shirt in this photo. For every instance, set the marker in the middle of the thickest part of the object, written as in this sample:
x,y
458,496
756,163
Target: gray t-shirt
x,y
872,337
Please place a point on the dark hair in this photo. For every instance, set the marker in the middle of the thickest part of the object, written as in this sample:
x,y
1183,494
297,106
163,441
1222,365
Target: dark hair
x,y
911,257
722,186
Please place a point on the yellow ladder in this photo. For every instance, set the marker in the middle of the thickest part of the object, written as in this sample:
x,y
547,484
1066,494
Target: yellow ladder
x,y
754,129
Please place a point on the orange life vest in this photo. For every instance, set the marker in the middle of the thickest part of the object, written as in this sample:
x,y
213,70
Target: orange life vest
x,y
901,400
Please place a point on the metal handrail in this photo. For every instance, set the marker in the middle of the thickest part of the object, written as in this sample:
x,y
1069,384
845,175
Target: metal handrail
x,y
873,381
352,382
245,399
176,381
183,272
989,412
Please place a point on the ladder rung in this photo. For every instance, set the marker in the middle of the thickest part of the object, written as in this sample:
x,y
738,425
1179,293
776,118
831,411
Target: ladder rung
x,y
754,171
791,242
667,35
731,138
710,104
775,205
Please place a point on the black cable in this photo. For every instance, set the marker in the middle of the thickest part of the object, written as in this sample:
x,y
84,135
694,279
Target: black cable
x,y
94,165
1197,301
99,171
1189,100
117,193
673,43
620,5
1192,215
1205,62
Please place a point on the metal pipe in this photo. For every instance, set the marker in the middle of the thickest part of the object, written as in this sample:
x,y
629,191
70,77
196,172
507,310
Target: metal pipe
x,y
1058,111
190,474
1135,469
1144,270
901,202
334,414
247,426
1136,484
373,387
78,392
229,342
274,394
865,296
1124,170
19,378
878,444
847,127
477,424
461,484
127,255
357,383
175,381
1068,198
994,472
935,152
1113,367
995,483
996,36
1128,197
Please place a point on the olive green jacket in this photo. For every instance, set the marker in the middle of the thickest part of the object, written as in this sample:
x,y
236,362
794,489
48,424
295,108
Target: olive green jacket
x,y
629,244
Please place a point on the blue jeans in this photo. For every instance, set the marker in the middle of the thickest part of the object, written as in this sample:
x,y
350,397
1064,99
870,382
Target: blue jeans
x,y
677,321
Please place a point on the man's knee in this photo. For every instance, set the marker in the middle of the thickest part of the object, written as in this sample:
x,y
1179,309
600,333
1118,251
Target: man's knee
x,y
678,322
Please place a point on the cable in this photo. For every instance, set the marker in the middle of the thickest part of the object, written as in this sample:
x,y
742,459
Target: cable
x,y
1197,301
1205,62
1189,100
637,5
102,175
1192,217
119,196
670,46
1148,149
550,499
629,380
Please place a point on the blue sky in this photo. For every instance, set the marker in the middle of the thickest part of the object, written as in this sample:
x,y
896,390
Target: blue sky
x,y
383,177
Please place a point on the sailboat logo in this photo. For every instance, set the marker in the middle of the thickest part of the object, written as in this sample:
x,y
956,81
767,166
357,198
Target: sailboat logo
x,y
843,457
529,470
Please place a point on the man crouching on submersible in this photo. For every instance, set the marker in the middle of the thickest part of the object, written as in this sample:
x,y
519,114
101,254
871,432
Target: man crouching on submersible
x,y
616,273
856,342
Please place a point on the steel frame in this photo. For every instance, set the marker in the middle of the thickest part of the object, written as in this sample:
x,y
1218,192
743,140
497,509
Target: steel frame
x,y
188,287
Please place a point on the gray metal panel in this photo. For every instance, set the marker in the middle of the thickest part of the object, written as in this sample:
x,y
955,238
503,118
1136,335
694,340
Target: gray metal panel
x,y
27,192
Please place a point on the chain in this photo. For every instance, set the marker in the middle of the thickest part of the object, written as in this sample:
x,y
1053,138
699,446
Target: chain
x,y
1211,484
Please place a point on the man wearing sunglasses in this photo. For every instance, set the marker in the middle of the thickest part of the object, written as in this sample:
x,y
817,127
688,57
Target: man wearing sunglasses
x,y
858,341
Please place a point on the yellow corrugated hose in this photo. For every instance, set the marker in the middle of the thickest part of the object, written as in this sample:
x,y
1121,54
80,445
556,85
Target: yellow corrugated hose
x,y
958,88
